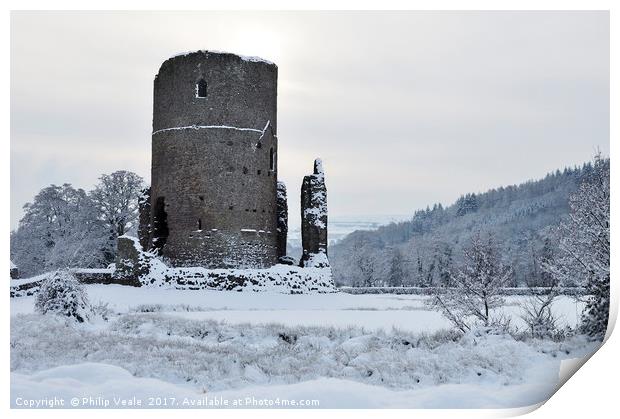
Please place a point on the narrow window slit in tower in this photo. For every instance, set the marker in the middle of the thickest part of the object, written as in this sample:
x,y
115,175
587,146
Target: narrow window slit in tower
x,y
272,159
199,224
201,88
258,172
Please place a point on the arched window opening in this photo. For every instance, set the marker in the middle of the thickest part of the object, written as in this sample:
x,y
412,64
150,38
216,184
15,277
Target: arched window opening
x,y
201,88
272,159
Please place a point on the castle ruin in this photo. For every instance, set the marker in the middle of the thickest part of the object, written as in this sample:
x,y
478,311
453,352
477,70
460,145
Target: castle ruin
x,y
215,200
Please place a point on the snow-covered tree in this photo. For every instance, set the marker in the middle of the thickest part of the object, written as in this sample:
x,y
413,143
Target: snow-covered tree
x,y
116,199
477,285
365,264
584,247
396,272
59,229
445,265
62,294
467,204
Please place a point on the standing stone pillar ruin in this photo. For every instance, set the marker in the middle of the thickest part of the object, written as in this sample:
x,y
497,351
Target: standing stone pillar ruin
x,y
282,212
144,218
314,219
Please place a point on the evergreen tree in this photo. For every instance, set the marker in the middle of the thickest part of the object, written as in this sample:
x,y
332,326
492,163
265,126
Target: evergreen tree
x,y
396,273
445,266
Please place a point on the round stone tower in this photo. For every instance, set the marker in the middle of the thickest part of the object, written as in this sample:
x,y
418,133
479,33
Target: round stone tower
x,y
214,164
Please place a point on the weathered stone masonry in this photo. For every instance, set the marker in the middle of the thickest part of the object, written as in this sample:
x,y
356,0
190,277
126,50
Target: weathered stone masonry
x,y
214,161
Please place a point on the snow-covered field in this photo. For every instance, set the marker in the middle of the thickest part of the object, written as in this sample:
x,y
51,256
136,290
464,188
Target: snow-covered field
x,y
340,349
382,311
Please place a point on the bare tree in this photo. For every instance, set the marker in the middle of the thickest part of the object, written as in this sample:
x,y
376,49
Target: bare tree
x,y
116,199
365,264
477,286
537,311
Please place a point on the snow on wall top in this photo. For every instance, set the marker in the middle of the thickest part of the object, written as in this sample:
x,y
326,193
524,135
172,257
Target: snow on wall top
x,y
252,59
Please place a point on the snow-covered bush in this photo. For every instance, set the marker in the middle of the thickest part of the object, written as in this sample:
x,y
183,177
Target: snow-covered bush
x,y
102,310
62,294
537,314
213,355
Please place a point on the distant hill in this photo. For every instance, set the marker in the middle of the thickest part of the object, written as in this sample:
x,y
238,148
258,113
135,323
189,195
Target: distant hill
x,y
419,252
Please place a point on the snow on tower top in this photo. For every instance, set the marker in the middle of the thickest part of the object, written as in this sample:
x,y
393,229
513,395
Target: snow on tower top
x,y
210,51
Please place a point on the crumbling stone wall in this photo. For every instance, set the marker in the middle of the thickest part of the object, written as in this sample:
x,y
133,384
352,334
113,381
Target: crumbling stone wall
x,y
144,225
130,265
314,218
282,212
214,161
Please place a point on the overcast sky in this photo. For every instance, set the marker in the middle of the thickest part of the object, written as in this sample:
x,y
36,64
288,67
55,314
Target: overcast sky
x,y
405,108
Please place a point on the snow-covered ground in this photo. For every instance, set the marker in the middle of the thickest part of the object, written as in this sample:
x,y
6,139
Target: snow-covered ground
x,y
371,311
340,349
